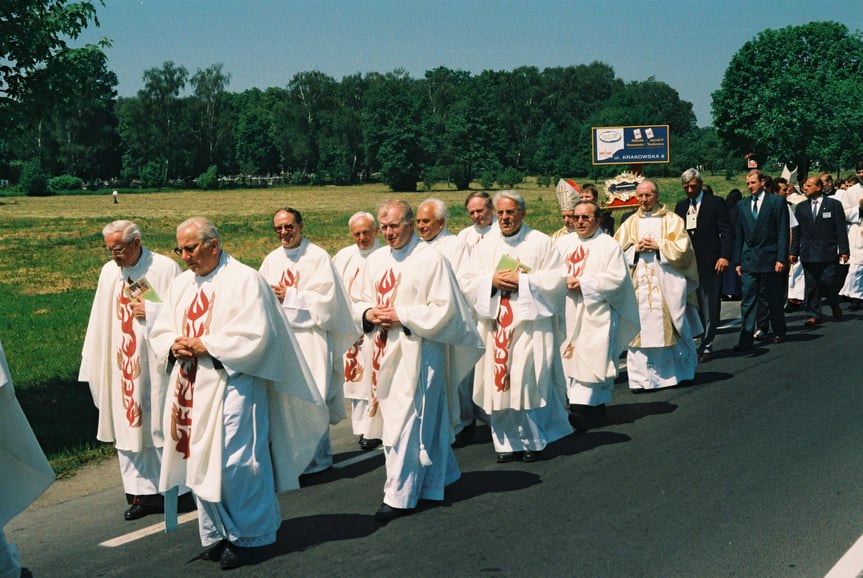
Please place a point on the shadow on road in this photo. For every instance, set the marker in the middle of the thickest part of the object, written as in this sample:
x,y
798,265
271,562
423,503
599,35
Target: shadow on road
x,y
582,442
621,413
473,484
338,473
297,534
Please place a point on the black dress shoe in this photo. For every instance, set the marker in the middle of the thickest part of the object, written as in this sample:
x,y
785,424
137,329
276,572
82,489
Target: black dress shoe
x,y
367,444
139,510
214,553
386,513
234,556
779,339
506,457
531,455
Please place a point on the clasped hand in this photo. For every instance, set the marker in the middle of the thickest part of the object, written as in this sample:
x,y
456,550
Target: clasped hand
x,y
188,348
384,316
505,281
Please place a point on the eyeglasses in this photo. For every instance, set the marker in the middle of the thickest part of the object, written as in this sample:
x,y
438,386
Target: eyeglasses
x,y
115,251
285,228
188,249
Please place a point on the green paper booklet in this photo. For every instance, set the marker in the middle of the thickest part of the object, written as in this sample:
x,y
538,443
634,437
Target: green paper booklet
x,y
507,263
141,289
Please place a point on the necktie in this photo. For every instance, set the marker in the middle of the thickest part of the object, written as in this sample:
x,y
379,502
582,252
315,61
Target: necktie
x,y
815,208
754,207
692,206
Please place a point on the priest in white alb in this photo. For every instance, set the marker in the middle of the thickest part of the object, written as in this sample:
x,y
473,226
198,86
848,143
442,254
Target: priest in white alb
x,y
431,219
411,308
365,419
24,471
127,387
852,202
601,313
238,387
307,285
481,212
516,283
664,273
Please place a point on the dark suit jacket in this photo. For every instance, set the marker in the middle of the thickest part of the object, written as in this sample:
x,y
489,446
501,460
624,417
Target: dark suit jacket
x,y
823,238
761,243
712,236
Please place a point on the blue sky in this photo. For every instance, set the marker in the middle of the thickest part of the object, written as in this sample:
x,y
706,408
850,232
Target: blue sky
x,y
263,43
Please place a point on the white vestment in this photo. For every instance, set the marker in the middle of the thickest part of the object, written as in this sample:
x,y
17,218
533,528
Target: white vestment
x,y
24,471
319,311
407,370
663,353
221,407
472,235
601,317
348,263
519,381
460,394
127,386
853,287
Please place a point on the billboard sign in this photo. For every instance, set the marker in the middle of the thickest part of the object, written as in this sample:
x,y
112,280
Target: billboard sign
x,y
615,145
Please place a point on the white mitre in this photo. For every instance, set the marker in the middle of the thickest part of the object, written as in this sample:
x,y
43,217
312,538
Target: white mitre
x,y
568,195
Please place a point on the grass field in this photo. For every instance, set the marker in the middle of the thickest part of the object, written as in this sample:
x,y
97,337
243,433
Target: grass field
x,y
51,250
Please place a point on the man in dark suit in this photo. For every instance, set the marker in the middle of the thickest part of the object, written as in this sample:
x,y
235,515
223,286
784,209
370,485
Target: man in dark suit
x,y
762,254
709,228
820,242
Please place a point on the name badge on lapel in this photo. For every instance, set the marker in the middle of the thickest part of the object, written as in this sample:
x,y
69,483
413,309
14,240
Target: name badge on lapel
x,y
826,214
691,220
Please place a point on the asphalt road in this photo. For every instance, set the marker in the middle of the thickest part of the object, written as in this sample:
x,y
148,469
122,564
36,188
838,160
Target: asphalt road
x,y
753,470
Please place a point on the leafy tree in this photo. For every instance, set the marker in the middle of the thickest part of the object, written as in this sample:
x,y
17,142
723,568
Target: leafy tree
x,y
212,115
209,180
794,94
33,34
393,130
151,125
34,181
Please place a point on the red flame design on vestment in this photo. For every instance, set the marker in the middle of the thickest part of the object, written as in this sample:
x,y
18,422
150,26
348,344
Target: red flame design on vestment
x,y
352,279
127,359
290,278
353,368
502,342
576,261
196,322
385,293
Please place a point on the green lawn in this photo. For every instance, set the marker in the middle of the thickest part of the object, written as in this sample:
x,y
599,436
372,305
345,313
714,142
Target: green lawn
x,y
52,251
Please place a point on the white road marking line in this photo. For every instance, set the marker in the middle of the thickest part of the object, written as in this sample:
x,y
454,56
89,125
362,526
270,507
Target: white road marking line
x,y
154,529
730,324
189,516
851,564
356,459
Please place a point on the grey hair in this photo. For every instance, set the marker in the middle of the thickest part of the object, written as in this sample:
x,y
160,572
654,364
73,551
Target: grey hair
x,y
690,174
129,229
652,184
362,214
440,210
513,196
206,228
482,195
403,206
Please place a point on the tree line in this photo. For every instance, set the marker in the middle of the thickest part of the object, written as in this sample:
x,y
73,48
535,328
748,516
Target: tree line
x,y
788,96
449,125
